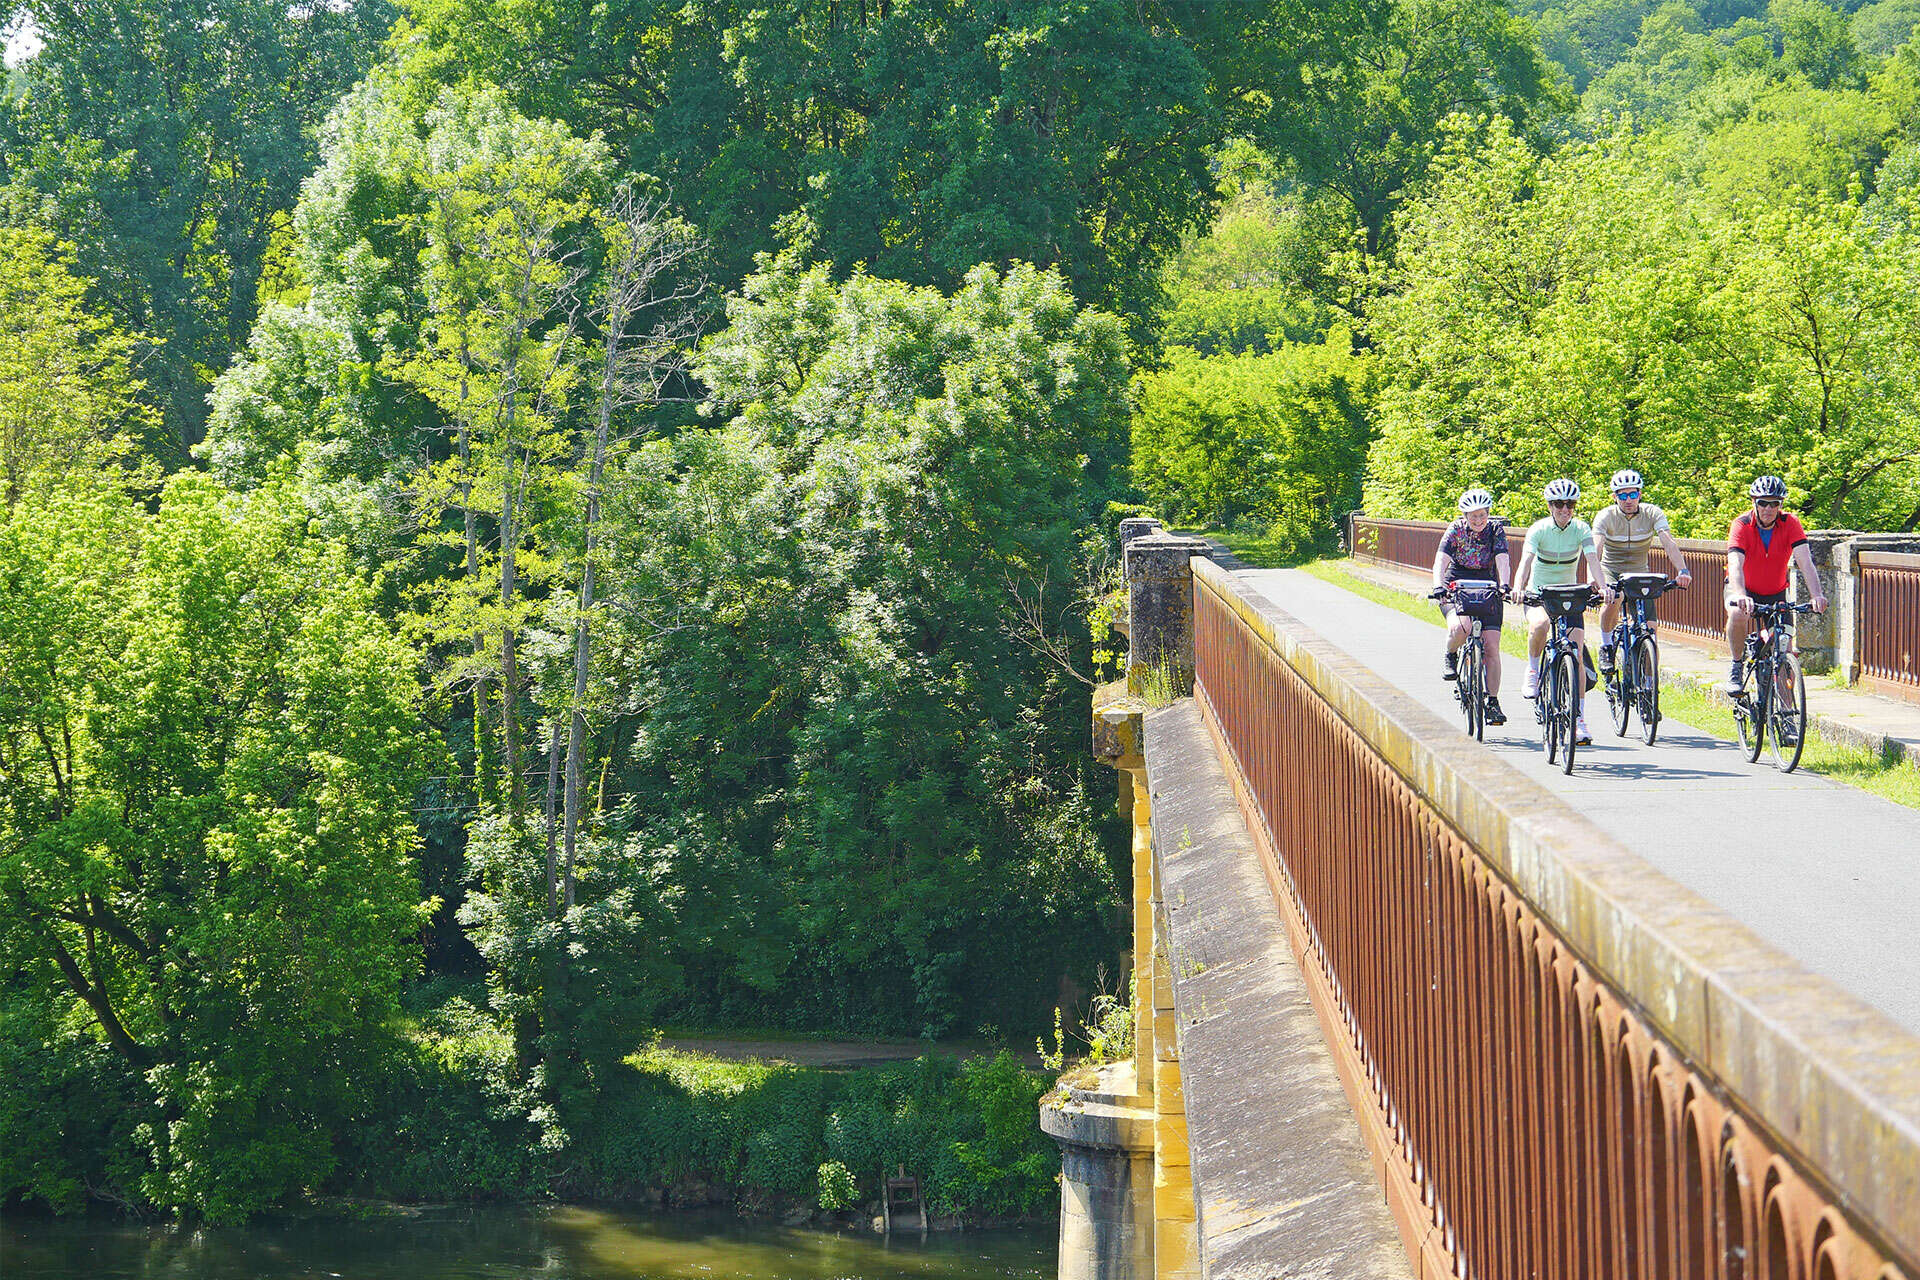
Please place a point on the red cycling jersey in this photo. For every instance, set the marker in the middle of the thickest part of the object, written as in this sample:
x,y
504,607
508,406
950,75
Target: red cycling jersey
x,y
1769,556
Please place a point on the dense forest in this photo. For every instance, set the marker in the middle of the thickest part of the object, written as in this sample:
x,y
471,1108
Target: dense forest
x,y
527,521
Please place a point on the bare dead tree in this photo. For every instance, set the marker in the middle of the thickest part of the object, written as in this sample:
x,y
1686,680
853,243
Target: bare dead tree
x,y
649,315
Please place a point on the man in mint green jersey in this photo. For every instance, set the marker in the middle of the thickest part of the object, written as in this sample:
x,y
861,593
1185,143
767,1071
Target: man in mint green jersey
x,y
1551,558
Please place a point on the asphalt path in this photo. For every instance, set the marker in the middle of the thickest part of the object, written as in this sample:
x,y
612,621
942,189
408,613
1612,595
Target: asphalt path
x,y
1828,874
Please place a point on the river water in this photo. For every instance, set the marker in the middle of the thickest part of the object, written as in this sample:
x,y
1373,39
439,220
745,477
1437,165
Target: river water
x,y
492,1243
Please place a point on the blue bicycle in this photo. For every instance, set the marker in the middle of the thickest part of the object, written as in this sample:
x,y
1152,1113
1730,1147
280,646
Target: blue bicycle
x,y
1563,677
1634,683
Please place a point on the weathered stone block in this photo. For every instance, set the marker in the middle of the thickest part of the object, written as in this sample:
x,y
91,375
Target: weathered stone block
x,y
1160,607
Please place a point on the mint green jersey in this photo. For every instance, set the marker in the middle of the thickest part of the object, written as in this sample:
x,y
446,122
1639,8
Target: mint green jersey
x,y
1556,552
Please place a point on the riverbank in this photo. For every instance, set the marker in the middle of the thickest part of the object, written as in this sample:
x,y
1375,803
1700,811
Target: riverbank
x,y
454,1120
569,1242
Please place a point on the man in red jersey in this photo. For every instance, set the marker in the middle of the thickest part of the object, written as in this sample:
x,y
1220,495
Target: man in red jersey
x,y
1761,545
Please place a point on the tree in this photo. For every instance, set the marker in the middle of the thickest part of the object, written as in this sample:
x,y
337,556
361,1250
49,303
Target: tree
x,y
164,141
866,794
1365,124
70,404
1277,441
918,139
209,749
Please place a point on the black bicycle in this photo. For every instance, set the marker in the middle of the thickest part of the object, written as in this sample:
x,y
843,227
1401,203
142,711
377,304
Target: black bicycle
x,y
1634,685
1471,685
1562,670
1772,701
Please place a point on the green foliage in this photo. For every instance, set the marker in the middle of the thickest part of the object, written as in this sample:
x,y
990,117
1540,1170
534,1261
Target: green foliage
x,y
969,1130
838,1189
841,567
1273,441
1259,276
1583,312
212,871
165,142
69,400
918,140
1363,128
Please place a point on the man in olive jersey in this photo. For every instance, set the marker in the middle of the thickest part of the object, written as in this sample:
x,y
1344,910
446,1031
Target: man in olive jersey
x,y
1625,533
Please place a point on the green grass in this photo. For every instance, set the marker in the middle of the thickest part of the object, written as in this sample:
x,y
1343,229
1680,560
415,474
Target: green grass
x,y
1882,773
1257,549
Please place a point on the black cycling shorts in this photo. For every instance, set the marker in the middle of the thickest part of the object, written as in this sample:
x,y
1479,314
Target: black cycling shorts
x,y
1490,612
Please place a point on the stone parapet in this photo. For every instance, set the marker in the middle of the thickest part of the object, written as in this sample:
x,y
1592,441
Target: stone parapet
x,y
1160,607
1275,1174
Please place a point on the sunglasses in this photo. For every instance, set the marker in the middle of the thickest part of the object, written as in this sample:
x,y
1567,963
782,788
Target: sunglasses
x,y
1558,503
1766,502
1627,494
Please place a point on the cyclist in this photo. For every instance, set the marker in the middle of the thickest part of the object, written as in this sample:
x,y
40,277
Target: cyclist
x,y
1625,533
1474,549
1761,543
1551,558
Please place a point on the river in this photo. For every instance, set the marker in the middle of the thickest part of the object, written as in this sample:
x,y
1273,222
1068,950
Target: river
x,y
493,1243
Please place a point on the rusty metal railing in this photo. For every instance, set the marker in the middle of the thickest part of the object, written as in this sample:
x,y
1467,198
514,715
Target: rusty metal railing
x,y
1888,617
1532,1121
1696,615
1407,543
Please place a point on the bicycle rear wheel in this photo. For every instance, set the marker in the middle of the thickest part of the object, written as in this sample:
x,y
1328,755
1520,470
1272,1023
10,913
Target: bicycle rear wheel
x,y
1568,685
1787,716
1619,690
1646,675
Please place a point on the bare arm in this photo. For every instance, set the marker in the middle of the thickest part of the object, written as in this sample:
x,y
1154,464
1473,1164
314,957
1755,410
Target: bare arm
x,y
1803,558
1737,580
1676,557
1503,566
1442,569
1521,575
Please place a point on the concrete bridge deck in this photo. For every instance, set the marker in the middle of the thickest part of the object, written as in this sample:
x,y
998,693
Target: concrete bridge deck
x,y
1828,874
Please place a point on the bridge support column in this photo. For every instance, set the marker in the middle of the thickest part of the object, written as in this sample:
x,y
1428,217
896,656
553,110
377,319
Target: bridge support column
x,y
1176,1236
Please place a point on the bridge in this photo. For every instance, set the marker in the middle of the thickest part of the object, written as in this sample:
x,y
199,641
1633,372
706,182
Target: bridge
x,y
1409,1005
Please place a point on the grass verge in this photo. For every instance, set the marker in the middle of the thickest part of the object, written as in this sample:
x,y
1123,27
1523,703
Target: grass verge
x,y
1883,774
1257,549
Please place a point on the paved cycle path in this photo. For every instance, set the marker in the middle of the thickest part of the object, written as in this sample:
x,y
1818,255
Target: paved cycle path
x,y
1828,874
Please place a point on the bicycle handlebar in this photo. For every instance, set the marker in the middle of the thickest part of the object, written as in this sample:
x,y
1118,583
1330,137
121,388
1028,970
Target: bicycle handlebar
x,y
1533,598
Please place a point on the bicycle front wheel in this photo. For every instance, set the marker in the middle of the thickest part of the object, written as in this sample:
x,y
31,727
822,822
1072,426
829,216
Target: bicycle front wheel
x,y
1646,677
1568,684
1787,713
1750,713
1477,694
1546,705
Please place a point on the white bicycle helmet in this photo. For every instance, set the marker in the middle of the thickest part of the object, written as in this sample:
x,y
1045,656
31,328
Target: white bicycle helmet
x,y
1625,478
1768,487
1562,490
1475,500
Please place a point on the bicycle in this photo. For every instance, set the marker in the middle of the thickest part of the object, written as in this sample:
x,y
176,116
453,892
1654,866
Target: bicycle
x,y
1471,686
1562,680
1634,684
1777,709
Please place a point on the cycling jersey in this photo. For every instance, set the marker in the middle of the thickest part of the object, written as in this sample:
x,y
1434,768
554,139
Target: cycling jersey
x,y
1625,540
1556,551
1769,552
1473,554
